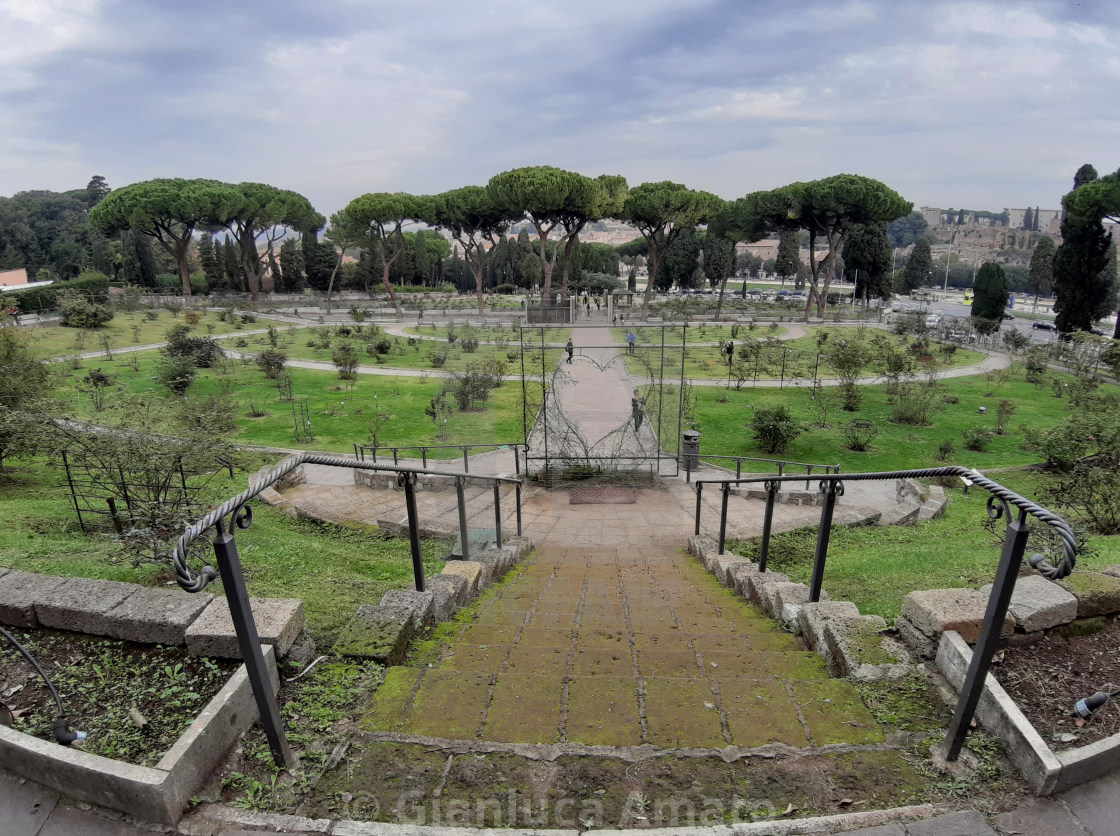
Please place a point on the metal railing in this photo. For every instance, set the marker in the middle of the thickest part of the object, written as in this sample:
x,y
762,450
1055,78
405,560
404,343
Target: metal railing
x,y
825,469
363,450
1000,503
240,516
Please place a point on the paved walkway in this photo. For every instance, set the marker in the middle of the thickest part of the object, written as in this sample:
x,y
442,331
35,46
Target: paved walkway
x,y
612,636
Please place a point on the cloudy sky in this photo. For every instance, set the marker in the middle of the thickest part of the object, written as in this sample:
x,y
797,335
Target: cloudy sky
x,y
982,105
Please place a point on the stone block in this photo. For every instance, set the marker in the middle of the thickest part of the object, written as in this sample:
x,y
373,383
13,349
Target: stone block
x,y
738,575
783,601
303,650
931,508
899,515
813,617
469,570
378,633
420,602
699,545
756,581
859,649
21,593
1039,604
496,561
278,620
915,639
4,571
1096,593
933,611
1113,570
724,563
446,590
155,616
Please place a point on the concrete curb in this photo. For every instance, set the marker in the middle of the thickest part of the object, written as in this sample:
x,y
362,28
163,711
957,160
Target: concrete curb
x,y
1046,771
158,793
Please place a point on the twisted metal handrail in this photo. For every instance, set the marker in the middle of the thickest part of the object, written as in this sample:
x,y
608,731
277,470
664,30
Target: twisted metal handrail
x,y
1006,496
241,515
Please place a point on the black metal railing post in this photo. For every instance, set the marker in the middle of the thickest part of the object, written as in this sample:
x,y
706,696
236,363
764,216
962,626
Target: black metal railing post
x,y
497,516
466,461
831,489
248,640
517,491
767,522
699,490
723,516
462,502
1014,547
408,482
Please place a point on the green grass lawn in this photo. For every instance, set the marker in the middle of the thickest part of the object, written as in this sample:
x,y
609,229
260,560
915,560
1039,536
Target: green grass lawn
x,y
723,415
401,355
776,360
126,329
701,333
496,334
339,415
877,567
333,569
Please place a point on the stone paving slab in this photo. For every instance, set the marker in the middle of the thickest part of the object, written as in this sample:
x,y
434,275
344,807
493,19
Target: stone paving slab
x,y
24,806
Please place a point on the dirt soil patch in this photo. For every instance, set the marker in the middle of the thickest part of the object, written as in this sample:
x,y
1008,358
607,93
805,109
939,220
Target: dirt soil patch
x,y
1048,677
133,701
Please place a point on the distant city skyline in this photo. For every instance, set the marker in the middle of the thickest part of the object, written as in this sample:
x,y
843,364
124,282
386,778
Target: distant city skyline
x,y
981,105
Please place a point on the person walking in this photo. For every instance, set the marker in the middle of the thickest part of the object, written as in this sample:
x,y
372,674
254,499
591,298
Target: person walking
x,y
637,409
570,349
588,303
630,340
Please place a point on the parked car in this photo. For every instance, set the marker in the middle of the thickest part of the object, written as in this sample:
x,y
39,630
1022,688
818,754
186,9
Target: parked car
x,y
1043,325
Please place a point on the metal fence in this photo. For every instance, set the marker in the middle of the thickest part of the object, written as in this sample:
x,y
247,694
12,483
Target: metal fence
x,y
1000,504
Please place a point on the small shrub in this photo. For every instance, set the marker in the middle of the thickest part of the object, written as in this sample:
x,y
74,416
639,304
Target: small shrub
x,y
977,439
271,362
438,358
859,435
383,345
76,312
345,359
203,352
946,451
151,315
192,318
176,373
952,399
1004,412
774,429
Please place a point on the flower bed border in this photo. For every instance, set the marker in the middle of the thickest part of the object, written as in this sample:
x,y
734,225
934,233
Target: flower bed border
x,y
1045,770
160,793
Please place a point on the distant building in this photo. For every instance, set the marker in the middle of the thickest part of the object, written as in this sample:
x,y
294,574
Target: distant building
x,y
11,278
1015,218
932,216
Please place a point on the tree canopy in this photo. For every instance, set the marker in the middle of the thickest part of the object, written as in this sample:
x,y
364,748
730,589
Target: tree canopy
x,y
867,253
918,267
550,197
475,221
166,210
380,215
660,212
1083,284
991,293
827,209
